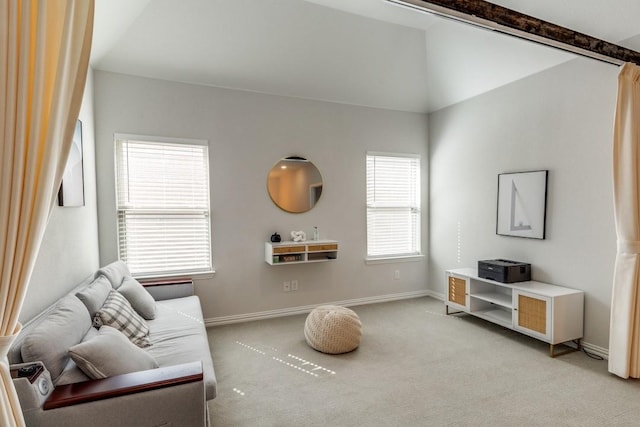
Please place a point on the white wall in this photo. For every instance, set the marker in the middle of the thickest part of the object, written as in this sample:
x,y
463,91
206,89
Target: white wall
x,y
560,120
69,251
247,134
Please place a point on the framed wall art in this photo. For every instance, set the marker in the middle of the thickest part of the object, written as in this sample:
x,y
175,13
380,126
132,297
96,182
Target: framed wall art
x,y
522,204
71,191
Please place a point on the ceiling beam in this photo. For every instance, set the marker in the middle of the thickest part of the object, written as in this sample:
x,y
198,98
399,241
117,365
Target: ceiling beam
x,y
498,18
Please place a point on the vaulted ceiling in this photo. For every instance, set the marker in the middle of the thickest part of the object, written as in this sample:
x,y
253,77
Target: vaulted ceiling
x,y
361,52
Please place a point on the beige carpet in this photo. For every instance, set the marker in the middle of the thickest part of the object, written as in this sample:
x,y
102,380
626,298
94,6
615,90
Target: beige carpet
x,y
414,367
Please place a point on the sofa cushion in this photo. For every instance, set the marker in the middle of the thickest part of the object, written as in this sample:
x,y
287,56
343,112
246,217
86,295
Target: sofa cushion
x,y
110,353
118,313
115,273
64,327
94,295
141,300
179,336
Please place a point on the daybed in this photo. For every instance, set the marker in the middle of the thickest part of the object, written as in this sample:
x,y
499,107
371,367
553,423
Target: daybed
x,y
161,378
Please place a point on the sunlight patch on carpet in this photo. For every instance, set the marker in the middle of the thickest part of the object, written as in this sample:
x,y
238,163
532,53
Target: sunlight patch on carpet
x,y
293,361
247,346
284,362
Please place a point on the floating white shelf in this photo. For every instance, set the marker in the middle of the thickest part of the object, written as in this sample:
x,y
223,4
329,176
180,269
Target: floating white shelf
x,y
300,252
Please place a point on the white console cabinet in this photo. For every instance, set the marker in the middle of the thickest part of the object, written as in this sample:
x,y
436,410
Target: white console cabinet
x,y
553,314
300,252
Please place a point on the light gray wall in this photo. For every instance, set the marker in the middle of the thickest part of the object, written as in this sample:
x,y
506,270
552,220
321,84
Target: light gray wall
x,y
247,134
560,120
69,251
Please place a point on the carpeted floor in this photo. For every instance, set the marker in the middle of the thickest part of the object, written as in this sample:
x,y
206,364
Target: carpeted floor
x,y
414,367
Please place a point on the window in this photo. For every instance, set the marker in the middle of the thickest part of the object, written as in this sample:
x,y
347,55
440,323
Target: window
x,y
393,205
162,192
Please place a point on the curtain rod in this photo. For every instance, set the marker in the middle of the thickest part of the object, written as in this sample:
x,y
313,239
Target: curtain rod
x,y
497,18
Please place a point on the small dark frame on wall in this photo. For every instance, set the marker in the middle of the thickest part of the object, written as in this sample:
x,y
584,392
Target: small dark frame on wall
x,y
71,191
522,204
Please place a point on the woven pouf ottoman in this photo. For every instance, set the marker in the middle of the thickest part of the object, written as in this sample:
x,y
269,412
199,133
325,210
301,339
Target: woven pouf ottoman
x,y
333,329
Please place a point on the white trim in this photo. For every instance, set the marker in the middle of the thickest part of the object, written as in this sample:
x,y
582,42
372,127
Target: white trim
x,y
597,350
194,275
160,139
388,154
388,259
436,295
263,315
270,314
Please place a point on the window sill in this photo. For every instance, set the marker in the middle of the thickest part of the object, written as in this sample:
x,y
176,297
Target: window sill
x,y
195,276
390,259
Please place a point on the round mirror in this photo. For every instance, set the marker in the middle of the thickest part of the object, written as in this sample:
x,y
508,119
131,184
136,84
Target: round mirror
x,y
294,184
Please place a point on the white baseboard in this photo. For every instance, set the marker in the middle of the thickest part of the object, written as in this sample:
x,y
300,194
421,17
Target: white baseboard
x,y
436,295
270,314
597,350
591,348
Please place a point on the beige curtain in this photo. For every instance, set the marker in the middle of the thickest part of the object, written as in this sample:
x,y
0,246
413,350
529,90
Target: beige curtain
x,y
624,334
44,55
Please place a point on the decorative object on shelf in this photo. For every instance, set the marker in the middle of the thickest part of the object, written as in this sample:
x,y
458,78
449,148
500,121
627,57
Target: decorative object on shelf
x,y
294,184
522,200
275,238
316,233
298,236
290,258
333,329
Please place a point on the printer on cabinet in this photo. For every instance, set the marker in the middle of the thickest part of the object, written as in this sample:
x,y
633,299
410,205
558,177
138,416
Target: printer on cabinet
x,y
504,270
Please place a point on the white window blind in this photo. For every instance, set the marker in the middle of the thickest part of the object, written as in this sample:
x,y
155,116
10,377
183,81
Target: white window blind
x,y
393,205
163,206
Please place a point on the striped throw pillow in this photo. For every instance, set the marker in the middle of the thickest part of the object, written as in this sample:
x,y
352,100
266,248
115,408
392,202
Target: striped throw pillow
x,y
118,313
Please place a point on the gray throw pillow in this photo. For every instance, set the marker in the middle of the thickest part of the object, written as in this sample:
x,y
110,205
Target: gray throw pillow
x,y
110,353
118,313
138,297
115,273
65,326
95,294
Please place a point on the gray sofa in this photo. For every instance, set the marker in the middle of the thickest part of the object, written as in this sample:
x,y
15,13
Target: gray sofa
x,y
69,353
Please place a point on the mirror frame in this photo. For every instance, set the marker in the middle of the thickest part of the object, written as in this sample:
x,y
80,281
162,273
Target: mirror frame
x,y
294,184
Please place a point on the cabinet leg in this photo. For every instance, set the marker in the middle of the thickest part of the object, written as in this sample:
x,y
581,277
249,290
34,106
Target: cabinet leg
x,y
446,310
552,348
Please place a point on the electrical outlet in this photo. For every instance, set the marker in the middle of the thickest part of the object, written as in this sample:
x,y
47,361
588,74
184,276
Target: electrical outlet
x,y
294,285
286,286
396,275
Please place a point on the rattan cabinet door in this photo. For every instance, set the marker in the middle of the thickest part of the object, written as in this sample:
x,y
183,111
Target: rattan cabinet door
x,y
532,314
458,292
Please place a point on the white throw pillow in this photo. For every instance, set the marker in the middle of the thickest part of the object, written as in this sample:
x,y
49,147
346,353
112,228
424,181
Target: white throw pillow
x,y
118,313
110,353
138,297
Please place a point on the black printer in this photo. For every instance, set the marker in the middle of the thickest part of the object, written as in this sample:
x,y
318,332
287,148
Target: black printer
x,y
504,270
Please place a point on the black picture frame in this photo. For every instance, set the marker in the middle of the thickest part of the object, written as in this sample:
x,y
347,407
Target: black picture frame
x,y
522,204
71,192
